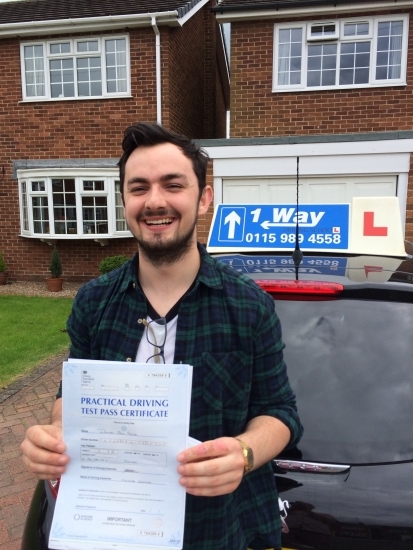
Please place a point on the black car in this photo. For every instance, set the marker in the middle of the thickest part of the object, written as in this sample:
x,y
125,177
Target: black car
x,y
347,326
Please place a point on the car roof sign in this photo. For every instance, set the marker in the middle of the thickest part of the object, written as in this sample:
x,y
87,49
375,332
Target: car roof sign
x,y
369,225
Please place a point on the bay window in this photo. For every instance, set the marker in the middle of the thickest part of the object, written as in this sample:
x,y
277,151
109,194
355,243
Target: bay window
x,y
71,206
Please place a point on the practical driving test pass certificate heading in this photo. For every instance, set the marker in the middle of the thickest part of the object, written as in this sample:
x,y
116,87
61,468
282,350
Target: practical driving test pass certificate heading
x,y
124,425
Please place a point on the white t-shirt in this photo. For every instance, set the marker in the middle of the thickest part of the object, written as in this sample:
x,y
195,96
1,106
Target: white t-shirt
x,y
146,350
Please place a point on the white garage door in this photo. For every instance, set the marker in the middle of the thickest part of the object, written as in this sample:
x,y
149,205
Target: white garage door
x,y
317,190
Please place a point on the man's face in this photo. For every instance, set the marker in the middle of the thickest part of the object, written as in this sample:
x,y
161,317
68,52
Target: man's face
x,y
161,202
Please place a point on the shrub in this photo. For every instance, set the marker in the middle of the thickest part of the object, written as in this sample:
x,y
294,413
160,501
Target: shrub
x,y
56,264
3,266
112,262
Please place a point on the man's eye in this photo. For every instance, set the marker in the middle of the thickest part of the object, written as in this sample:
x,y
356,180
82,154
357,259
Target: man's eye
x,y
137,190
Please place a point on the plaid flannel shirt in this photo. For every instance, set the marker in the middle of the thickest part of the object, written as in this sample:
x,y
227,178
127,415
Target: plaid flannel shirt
x,y
228,330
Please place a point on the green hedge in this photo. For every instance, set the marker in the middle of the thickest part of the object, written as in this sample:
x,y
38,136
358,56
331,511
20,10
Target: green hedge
x,y
112,262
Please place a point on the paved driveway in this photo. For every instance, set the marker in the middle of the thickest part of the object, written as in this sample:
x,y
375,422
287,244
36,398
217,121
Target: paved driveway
x,y
23,404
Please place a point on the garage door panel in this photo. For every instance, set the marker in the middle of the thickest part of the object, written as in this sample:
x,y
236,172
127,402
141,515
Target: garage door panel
x,y
319,190
244,193
377,189
283,193
322,193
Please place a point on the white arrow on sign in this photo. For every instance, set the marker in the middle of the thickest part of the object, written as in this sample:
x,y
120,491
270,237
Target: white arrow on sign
x,y
232,219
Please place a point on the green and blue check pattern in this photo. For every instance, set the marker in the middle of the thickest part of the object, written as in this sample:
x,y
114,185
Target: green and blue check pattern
x,y
228,330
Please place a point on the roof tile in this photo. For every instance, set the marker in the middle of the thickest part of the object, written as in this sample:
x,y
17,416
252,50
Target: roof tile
x,y
49,10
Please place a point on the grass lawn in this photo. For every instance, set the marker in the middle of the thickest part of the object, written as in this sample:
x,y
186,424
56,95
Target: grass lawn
x,y
30,331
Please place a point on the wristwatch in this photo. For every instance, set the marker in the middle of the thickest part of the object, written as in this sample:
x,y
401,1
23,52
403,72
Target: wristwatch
x,y
248,456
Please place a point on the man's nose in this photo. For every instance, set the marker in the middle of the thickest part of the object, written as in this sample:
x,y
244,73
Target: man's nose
x,y
155,198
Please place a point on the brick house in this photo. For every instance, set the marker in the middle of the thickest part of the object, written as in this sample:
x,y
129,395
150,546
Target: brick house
x,y
74,76
328,82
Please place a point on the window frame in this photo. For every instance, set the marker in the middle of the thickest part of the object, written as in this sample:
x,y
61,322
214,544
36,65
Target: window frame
x,y
371,37
27,193
75,56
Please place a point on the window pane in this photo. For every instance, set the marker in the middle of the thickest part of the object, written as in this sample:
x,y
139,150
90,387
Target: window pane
x,y
356,29
34,71
353,57
328,78
92,185
295,77
64,206
89,77
361,76
115,62
314,63
120,219
389,50
324,57
62,78
323,30
88,46
346,76
40,215
23,186
63,47
313,78
289,62
95,215
38,186
349,29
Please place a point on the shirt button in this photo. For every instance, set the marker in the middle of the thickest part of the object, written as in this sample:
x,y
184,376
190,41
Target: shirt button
x,y
129,359
134,285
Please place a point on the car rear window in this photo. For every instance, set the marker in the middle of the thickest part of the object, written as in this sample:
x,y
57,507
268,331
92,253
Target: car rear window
x,y
350,363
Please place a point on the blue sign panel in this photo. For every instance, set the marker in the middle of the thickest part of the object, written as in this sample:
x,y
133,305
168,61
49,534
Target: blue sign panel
x,y
322,265
273,227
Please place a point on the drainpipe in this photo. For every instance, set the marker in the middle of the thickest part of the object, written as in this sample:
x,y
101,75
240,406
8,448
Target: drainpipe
x,y
158,71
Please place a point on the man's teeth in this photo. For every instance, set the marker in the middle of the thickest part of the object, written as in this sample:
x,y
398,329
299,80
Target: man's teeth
x,y
165,221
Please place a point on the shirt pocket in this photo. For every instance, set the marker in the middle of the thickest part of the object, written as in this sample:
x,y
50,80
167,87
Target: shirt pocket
x,y
226,379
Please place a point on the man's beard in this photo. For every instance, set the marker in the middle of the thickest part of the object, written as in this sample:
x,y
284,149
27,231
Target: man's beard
x,y
166,253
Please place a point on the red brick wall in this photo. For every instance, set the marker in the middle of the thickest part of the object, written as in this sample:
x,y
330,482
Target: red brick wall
x,y
184,78
189,81
91,129
257,111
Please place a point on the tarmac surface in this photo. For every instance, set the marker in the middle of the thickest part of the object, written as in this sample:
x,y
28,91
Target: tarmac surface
x,y
24,403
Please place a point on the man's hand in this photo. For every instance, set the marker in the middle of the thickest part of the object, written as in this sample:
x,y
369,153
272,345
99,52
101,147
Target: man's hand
x,y
212,468
43,447
42,451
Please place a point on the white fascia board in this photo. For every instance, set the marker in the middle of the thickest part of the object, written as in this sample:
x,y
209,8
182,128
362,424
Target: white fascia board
x,y
384,157
192,12
334,165
311,149
354,9
87,24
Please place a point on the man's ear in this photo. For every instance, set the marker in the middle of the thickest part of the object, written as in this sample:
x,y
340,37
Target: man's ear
x,y
205,200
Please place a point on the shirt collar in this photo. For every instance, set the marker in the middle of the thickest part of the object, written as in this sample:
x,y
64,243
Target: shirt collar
x,y
131,274
209,274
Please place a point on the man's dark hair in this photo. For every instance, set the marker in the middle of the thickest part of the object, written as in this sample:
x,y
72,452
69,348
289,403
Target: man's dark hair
x,y
143,134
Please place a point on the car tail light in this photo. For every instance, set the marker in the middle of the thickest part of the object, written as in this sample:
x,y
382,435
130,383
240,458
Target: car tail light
x,y
54,486
301,290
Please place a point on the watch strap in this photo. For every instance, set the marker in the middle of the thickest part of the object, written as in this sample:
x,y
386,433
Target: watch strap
x,y
248,456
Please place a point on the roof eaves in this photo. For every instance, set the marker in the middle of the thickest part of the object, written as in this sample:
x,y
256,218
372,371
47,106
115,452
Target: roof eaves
x,y
277,9
86,24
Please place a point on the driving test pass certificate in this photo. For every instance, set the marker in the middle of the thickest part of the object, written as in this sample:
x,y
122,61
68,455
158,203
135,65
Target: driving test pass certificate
x,y
124,425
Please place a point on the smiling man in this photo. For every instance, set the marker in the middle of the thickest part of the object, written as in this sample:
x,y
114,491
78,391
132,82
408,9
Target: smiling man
x,y
173,303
